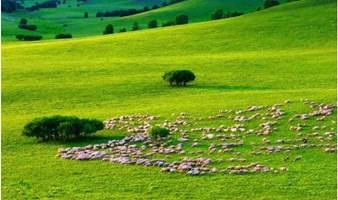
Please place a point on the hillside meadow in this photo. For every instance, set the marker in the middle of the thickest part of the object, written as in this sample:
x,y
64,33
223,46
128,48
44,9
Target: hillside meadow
x,y
65,19
263,58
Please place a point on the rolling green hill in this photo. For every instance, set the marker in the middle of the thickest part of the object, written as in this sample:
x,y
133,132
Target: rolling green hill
x,y
262,58
51,21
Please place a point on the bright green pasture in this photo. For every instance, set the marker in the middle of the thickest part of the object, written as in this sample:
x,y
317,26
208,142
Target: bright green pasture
x,y
51,21
288,52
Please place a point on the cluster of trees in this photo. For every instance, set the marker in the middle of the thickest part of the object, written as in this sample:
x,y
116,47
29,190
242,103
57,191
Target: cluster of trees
x,y
28,37
133,11
23,24
61,128
109,29
180,19
45,4
118,13
63,36
220,14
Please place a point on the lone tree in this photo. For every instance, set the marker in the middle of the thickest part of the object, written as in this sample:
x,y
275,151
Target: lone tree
x,y
136,27
179,77
152,24
218,14
109,29
270,3
85,15
182,19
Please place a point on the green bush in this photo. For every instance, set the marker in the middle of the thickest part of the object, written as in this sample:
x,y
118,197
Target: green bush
x,y
109,29
63,36
61,127
28,37
182,19
158,132
136,26
232,14
152,24
218,14
270,3
179,77
122,30
19,37
23,21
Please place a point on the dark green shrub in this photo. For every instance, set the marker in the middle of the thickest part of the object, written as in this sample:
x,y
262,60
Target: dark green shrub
x,y
182,19
152,24
164,3
63,36
270,3
179,77
109,29
123,30
85,15
158,132
23,21
19,37
218,14
155,7
232,14
135,26
28,37
32,37
61,127
175,1
168,23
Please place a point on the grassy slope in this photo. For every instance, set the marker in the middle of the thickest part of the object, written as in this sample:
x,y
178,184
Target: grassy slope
x,y
50,21
288,52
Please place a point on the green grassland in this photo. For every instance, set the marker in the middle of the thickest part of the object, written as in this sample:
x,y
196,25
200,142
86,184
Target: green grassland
x,y
51,21
263,58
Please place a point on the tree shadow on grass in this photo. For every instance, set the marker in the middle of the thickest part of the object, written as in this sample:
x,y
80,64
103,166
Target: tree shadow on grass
x,y
83,141
226,87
